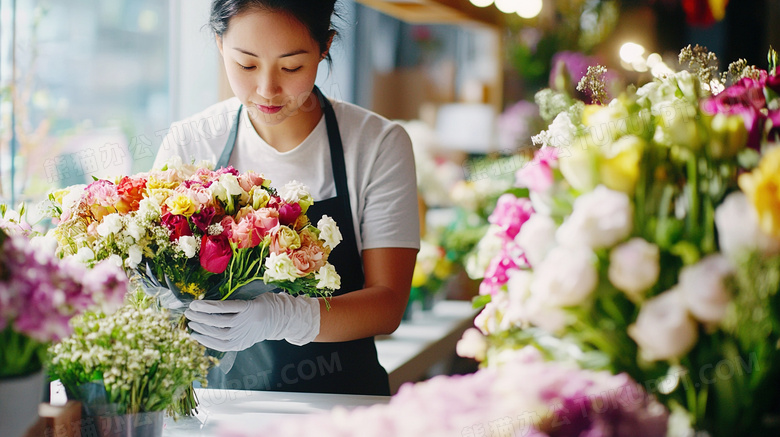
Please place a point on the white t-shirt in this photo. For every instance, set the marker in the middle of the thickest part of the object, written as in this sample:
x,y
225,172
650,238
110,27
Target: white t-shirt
x,y
377,153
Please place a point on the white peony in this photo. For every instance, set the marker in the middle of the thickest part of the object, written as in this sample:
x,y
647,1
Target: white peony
x,y
472,345
329,232
664,329
738,230
537,237
279,267
189,245
600,219
327,277
111,224
703,288
566,277
634,267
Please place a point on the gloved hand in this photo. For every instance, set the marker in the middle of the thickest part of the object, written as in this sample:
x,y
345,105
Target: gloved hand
x,y
234,325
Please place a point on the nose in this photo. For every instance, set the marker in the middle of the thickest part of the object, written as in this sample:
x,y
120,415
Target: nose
x,y
268,86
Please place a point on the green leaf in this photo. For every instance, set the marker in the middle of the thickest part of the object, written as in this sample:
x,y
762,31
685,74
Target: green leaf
x,y
480,301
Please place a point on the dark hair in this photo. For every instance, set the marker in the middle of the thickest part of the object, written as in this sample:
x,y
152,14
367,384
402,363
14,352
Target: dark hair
x,y
315,15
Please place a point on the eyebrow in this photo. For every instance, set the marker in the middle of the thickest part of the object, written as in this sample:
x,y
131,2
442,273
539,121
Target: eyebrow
x,y
285,55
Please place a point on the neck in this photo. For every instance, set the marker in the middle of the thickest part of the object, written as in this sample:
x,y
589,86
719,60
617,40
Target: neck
x,y
288,134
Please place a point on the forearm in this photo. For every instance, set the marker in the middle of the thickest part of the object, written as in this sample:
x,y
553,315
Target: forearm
x,y
363,313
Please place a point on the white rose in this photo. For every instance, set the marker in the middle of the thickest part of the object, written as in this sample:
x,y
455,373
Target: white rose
x,y
279,267
566,277
327,277
738,230
148,207
634,267
230,182
294,192
111,224
537,237
664,329
329,232
189,245
472,345
134,256
601,218
703,288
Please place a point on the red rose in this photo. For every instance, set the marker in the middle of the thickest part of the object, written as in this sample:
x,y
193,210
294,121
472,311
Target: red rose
x,y
215,253
289,213
178,225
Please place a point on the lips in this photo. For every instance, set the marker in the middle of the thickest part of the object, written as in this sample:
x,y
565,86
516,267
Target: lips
x,y
269,109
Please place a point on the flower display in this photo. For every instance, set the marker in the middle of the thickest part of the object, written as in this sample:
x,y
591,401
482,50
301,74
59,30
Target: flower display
x,y
39,294
522,396
203,232
652,245
132,361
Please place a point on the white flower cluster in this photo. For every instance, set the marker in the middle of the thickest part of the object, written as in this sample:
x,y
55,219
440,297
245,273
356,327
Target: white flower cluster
x,y
145,361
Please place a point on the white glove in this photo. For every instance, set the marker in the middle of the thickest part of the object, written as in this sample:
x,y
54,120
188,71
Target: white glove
x,y
234,325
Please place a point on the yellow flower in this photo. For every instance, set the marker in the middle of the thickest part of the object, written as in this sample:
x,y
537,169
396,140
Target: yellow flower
x,y
191,289
419,278
762,186
729,136
155,183
181,204
159,195
619,167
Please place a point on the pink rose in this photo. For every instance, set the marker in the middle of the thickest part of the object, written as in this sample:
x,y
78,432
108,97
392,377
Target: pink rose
x,y
284,239
244,233
308,259
265,219
537,175
197,193
178,225
250,179
227,170
289,212
227,224
510,214
215,253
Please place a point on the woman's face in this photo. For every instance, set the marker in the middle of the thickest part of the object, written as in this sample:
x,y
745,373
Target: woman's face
x,y
271,62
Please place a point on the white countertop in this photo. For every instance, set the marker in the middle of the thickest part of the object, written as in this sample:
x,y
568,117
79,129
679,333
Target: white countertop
x,y
407,354
245,410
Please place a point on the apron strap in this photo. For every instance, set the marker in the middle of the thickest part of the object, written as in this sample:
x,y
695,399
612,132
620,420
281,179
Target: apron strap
x,y
231,142
337,158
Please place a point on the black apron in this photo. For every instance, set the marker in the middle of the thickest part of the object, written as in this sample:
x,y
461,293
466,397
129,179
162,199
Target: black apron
x,y
349,367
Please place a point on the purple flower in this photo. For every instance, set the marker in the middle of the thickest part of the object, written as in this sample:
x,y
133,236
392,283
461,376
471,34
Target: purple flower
x,y
517,123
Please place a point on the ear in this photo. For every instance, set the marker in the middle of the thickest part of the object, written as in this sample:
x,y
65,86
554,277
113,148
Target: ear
x,y
331,35
219,43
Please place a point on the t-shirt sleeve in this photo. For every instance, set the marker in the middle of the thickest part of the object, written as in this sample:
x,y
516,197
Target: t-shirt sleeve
x,y
390,213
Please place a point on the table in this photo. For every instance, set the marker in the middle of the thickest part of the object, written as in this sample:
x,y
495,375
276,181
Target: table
x,y
249,411
424,341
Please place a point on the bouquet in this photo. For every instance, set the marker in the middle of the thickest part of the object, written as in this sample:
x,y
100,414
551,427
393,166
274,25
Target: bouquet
x,y
200,232
524,396
40,293
648,242
133,361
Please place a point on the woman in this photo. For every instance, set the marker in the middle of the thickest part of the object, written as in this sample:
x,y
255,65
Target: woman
x,y
358,167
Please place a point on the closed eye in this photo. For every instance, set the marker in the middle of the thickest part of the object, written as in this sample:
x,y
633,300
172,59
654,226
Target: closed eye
x,y
292,70
246,68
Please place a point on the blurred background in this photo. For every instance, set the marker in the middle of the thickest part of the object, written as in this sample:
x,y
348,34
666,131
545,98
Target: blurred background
x,y
88,88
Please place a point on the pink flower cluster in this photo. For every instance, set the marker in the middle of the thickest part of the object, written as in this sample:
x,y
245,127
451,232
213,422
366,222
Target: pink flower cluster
x,y
39,293
509,216
524,396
